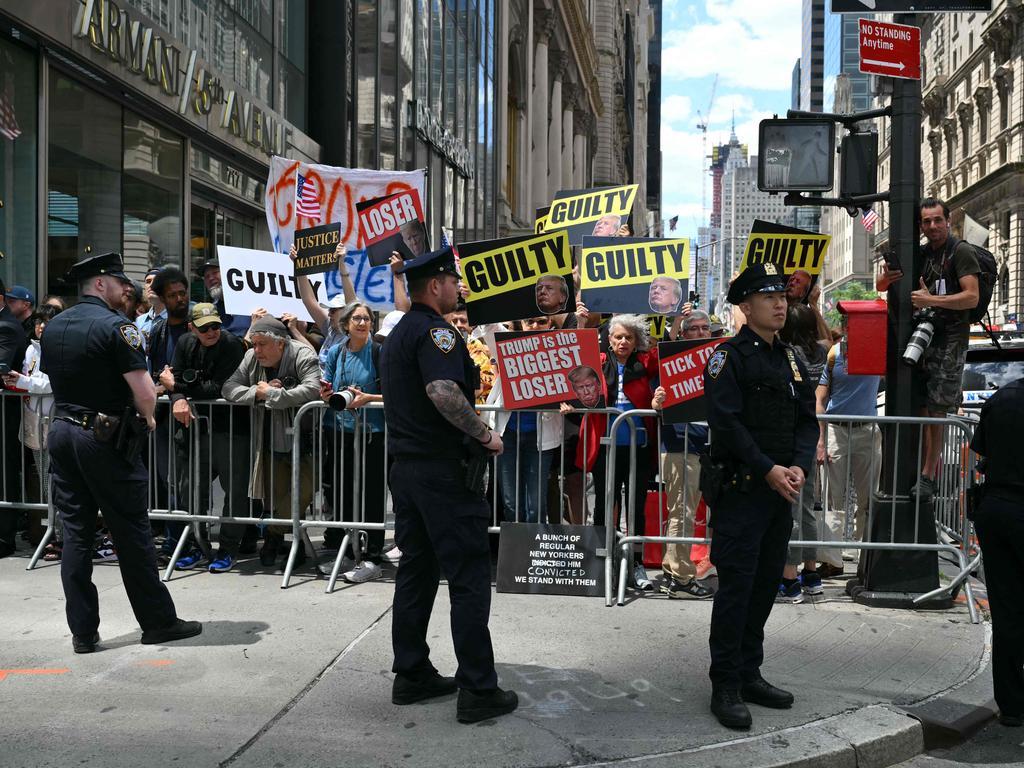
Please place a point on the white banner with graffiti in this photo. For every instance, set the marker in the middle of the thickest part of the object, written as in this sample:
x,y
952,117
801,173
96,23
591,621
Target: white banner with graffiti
x,y
334,192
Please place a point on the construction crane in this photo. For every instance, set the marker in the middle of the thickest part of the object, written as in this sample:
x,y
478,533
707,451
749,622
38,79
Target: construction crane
x,y
702,126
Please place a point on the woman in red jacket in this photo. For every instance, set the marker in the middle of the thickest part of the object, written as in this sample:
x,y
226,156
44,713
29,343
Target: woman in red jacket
x,y
630,370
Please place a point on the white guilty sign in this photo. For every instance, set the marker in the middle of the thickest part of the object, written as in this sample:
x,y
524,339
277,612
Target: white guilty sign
x,y
253,279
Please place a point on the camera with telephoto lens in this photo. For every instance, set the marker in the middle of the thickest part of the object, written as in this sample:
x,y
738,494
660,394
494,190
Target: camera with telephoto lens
x,y
340,401
927,324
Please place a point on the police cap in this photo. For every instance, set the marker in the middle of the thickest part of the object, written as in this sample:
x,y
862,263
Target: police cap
x,y
108,264
431,264
757,278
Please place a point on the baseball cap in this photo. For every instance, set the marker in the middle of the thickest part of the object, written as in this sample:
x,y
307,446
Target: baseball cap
x,y
203,314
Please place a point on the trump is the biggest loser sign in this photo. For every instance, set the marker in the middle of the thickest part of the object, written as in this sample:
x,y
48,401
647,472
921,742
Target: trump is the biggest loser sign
x,y
549,367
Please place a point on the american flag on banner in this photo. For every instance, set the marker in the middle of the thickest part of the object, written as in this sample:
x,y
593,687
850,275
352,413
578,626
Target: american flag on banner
x,y
868,217
8,121
307,197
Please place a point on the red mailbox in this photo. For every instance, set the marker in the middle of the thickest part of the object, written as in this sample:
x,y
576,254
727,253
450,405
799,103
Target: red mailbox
x,y
866,336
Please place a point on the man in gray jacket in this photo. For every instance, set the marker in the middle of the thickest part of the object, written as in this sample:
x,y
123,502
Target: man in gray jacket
x,y
276,377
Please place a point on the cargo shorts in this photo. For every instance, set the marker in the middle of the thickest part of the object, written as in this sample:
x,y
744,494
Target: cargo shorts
x,y
944,366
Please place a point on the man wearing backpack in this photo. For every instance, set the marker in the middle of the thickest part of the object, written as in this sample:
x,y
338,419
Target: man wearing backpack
x,y
949,283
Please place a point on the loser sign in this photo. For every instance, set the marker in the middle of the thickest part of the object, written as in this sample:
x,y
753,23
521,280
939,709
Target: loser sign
x,y
892,50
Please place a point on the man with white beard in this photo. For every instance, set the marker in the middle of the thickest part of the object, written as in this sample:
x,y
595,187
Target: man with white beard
x,y
209,270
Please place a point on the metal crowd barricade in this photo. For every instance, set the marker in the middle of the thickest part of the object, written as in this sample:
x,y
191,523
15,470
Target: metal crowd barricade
x,y
956,476
24,482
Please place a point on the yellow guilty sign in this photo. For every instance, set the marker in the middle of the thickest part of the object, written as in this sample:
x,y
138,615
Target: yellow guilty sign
x,y
494,272
591,206
788,252
540,225
637,262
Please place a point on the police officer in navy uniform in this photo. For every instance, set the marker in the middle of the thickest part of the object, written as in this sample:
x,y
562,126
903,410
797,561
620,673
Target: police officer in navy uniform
x,y
999,522
97,367
428,382
763,437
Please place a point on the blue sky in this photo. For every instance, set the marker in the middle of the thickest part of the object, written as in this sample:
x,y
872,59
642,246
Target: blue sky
x,y
752,45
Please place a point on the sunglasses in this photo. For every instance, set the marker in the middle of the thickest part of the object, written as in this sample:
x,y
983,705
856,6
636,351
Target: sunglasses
x,y
209,328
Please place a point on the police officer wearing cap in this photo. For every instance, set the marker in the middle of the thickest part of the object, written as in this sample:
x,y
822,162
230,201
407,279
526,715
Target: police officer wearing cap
x,y
428,382
763,437
97,368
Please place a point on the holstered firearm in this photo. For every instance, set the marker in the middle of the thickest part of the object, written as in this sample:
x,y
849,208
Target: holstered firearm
x,y
131,435
476,466
714,475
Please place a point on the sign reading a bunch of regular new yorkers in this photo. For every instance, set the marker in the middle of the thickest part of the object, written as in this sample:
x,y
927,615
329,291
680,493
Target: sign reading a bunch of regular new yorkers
x,y
892,50
909,6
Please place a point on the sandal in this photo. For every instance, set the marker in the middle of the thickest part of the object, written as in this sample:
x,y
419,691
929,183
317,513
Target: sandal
x,y
52,551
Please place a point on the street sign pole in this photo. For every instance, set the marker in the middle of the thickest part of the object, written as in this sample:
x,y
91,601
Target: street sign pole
x,y
894,578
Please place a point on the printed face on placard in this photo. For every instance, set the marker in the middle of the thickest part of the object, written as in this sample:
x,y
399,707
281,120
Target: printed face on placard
x,y
552,294
587,387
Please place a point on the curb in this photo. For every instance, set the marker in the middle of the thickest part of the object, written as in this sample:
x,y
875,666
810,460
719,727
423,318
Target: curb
x,y
872,737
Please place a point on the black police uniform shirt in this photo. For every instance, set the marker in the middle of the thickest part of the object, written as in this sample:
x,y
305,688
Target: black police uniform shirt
x,y
86,350
997,438
760,405
421,349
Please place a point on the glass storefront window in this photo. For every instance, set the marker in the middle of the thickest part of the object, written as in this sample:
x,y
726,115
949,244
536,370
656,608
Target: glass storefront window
x,y
18,151
214,225
152,185
84,179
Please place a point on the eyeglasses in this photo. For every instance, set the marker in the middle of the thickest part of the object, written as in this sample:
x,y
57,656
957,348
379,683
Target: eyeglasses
x,y
359,319
210,327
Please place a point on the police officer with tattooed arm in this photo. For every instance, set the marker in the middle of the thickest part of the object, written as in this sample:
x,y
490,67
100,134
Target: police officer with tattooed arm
x,y
763,437
439,445
103,411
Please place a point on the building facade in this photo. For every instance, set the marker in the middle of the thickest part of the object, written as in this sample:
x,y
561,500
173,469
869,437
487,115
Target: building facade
x,y
575,103
973,127
146,126
812,55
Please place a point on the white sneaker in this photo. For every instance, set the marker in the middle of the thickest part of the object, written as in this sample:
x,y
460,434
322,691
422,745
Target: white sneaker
x,y
365,571
640,580
393,555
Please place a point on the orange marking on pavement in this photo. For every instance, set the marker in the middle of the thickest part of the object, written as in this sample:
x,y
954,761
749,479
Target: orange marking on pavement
x,y
154,663
5,672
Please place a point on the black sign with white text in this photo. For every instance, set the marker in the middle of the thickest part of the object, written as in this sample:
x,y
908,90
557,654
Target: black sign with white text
x,y
909,6
539,559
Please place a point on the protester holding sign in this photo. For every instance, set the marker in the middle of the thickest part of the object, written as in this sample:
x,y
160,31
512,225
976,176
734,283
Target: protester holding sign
x,y
352,371
630,370
393,224
683,444
478,350
583,212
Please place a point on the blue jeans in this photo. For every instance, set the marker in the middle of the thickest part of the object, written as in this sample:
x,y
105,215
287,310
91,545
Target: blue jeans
x,y
532,499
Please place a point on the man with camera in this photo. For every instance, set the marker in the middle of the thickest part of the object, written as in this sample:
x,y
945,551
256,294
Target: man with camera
x,y
203,361
947,291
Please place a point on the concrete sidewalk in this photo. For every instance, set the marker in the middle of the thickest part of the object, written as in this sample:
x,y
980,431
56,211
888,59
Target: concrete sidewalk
x,y
299,678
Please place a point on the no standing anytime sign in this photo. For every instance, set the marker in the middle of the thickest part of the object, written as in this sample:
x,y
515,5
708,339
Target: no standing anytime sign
x,y
892,50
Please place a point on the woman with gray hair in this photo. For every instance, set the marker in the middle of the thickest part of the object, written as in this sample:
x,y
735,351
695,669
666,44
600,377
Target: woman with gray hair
x,y
630,369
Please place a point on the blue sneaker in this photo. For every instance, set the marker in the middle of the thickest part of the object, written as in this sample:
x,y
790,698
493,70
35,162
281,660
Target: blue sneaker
x,y
192,560
790,592
810,581
222,564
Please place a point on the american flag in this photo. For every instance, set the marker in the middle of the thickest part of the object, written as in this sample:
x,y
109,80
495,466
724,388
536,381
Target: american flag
x,y
8,121
868,217
306,198
445,237
672,223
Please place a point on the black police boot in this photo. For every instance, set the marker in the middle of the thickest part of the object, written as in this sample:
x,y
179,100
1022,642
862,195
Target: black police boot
x,y
179,630
249,539
762,692
474,707
408,690
729,708
85,644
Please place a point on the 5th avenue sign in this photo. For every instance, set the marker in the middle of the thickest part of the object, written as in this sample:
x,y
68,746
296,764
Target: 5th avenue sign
x,y
909,6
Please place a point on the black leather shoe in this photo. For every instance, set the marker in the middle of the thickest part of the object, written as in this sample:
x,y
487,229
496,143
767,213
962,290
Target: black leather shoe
x,y
179,630
474,707
85,644
269,550
767,695
407,690
729,708
1011,721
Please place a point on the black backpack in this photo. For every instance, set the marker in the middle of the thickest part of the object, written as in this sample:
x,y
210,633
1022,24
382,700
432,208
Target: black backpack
x,y
986,277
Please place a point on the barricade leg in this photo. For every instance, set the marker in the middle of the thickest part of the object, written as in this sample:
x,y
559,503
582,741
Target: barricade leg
x,y
179,548
47,536
336,570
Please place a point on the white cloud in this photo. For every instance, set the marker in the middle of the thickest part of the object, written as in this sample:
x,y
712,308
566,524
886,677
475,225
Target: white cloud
x,y
750,44
676,109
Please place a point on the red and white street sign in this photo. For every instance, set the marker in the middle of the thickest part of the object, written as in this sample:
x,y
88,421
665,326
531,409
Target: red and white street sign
x,y
892,50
